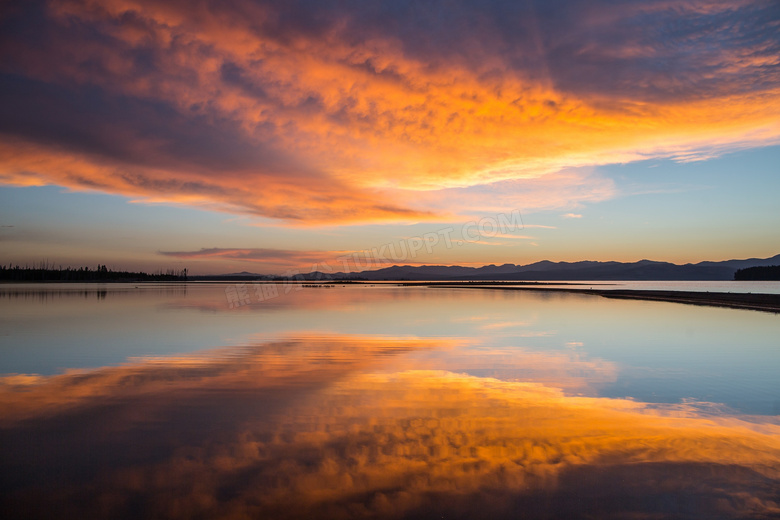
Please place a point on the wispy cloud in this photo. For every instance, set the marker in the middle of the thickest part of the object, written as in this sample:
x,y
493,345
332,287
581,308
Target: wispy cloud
x,y
277,260
251,254
571,215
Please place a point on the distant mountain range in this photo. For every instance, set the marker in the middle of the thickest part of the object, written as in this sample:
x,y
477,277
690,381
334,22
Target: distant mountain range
x,y
542,271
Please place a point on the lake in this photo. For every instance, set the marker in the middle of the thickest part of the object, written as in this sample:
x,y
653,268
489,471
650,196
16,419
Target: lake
x,y
205,400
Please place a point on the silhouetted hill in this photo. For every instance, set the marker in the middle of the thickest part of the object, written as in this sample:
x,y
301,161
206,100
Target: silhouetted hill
x,y
547,271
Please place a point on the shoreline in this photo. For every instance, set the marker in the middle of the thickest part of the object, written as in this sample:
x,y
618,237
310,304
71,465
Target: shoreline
x,y
748,301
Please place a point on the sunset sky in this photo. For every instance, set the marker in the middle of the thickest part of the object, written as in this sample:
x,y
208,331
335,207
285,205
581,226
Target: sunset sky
x,y
263,136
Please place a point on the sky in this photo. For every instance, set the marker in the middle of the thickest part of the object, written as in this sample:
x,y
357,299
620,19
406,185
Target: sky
x,y
282,136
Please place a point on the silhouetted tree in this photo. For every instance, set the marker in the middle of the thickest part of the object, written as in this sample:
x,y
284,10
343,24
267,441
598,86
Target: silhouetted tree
x,y
760,273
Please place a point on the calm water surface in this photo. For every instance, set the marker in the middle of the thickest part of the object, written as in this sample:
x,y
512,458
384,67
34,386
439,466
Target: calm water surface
x,y
209,400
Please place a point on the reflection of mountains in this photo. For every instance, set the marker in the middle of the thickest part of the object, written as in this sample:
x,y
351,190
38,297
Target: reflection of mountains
x,y
299,429
291,297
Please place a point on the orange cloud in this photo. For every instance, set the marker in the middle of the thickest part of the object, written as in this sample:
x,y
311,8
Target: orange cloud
x,y
317,202
316,114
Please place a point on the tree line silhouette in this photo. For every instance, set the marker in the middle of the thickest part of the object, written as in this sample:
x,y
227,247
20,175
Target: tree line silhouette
x,y
48,273
762,273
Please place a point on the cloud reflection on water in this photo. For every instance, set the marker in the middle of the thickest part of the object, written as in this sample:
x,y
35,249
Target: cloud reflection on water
x,y
341,427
